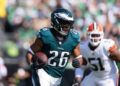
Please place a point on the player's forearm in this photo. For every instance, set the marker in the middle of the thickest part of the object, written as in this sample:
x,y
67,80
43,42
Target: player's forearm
x,y
115,55
29,57
79,72
78,60
78,79
35,47
77,51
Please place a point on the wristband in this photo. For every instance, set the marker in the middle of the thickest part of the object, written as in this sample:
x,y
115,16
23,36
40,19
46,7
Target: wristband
x,y
80,56
30,50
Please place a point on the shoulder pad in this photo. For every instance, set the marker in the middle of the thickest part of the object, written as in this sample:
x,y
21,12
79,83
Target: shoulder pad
x,y
44,31
108,43
75,34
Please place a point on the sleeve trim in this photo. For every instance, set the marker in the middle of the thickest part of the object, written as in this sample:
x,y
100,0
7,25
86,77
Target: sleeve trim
x,y
112,48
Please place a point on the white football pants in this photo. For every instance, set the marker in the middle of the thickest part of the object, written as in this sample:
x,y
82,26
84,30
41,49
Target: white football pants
x,y
45,79
92,80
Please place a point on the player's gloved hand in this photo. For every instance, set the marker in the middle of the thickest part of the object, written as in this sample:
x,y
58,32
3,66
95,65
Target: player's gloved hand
x,y
42,65
37,66
75,63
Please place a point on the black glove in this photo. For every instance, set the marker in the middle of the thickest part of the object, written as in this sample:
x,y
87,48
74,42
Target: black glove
x,y
37,66
75,63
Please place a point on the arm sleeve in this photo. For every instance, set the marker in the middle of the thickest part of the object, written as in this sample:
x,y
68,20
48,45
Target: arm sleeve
x,y
79,72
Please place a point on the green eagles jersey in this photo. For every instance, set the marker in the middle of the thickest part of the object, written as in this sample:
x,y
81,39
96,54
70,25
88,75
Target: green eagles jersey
x,y
58,55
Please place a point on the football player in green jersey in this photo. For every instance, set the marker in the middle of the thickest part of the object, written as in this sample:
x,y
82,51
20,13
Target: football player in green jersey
x,y
58,43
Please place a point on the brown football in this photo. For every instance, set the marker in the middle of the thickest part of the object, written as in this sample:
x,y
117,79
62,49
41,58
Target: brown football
x,y
42,57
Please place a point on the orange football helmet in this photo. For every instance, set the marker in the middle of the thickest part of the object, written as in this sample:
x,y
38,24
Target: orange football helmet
x,y
95,34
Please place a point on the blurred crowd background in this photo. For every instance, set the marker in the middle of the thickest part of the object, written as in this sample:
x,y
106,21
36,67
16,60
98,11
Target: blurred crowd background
x,y
21,19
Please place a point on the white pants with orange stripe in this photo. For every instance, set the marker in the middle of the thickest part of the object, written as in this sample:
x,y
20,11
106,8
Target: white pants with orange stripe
x,y
92,80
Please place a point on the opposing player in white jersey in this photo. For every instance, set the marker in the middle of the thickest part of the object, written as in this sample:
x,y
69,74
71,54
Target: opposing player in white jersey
x,y
101,55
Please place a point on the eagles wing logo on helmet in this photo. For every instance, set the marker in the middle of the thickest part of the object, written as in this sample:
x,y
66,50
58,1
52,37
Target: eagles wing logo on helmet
x,y
64,16
60,17
95,34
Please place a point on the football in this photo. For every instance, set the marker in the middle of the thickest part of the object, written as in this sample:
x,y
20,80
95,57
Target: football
x,y
42,57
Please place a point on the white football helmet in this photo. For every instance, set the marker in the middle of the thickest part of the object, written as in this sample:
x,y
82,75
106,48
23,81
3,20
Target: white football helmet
x,y
95,34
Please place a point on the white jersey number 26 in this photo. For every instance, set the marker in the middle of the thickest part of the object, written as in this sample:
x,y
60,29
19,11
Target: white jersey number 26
x,y
63,58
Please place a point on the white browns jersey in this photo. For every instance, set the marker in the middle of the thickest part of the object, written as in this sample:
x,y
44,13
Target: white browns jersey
x,y
98,59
